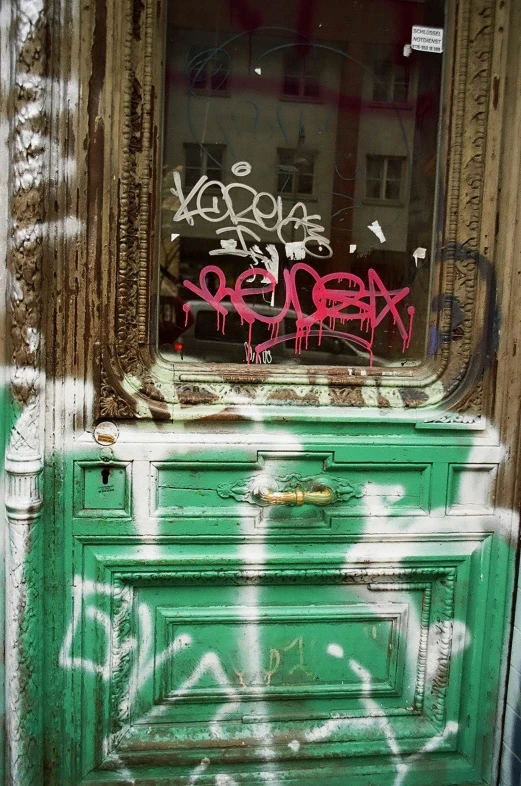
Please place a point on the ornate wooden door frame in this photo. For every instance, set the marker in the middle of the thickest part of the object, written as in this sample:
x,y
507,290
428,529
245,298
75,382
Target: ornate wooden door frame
x,y
57,231
136,382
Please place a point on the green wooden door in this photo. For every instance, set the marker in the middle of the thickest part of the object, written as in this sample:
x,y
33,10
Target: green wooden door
x,y
278,541
223,640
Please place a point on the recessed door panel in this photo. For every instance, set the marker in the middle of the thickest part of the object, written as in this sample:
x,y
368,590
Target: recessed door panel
x,y
197,654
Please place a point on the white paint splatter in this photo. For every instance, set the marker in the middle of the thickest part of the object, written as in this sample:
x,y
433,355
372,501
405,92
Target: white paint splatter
x,y
201,767
335,650
224,780
16,290
32,339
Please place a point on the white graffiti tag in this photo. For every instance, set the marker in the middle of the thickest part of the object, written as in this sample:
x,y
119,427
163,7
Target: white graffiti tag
x,y
263,211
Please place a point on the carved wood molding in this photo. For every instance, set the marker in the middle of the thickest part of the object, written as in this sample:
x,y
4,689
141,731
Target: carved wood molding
x,y
136,382
433,581
28,151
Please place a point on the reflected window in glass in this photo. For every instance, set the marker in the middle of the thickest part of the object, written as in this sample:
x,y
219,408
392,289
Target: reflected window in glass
x,y
301,74
385,178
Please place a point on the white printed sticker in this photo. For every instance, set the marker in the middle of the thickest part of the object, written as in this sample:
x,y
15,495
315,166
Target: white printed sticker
x,y
427,39
378,231
419,253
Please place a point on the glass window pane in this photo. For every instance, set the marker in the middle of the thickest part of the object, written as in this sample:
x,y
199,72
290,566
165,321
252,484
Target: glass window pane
x,y
382,76
191,176
392,189
374,167
401,83
292,76
285,157
219,80
312,71
197,78
214,174
373,189
312,63
197,68
305,164
394,168
311,88
284,183
292,65
319,144
400,92
193,155
381,90
291,86
214,157
305,184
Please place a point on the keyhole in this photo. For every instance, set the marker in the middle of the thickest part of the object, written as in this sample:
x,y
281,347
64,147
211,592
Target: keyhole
x,y
105,474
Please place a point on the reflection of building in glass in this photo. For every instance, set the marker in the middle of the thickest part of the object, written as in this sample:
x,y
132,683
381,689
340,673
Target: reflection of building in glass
x,y
390,75
296,172
339,119
385,179
270,115
302,73
203,160
207,70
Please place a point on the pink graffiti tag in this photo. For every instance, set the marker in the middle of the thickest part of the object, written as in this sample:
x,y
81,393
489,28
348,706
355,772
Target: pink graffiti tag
x,y
357,303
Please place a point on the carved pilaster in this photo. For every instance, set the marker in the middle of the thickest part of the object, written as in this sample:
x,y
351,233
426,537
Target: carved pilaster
x,y
23,504
24,461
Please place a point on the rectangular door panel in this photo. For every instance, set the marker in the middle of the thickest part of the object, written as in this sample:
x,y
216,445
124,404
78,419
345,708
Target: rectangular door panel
x,y
188,655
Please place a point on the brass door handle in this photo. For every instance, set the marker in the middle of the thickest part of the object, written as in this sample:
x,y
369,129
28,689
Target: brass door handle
x,y
298,497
